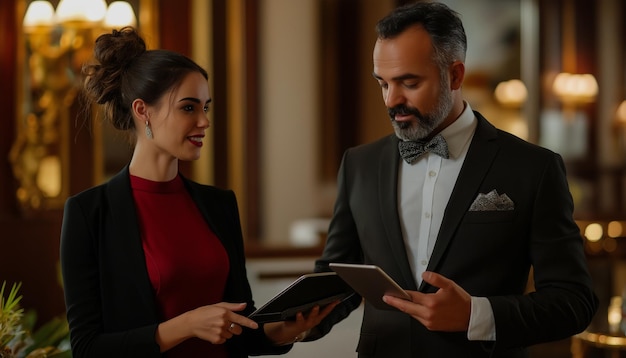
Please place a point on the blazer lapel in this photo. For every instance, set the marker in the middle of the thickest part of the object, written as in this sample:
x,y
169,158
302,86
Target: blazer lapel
x,y
389,161
128,237
480,155
206,205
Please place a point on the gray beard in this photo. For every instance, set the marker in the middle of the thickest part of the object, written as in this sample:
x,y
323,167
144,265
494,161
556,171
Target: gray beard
x,y
424,126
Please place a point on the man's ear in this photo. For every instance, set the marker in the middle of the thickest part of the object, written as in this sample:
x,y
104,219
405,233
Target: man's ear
x,y
140,110
457,74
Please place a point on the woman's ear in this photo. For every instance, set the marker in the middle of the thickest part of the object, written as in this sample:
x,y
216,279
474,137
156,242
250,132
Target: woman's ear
x,y
140,110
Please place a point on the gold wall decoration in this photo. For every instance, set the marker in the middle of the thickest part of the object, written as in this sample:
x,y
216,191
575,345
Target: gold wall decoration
x,y
55,44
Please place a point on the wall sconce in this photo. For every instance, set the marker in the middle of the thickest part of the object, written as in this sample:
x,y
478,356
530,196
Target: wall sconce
x,y
57,44
511,93
575,88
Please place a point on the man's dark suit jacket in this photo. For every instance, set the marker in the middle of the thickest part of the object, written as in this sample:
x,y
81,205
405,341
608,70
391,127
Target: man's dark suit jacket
x,y
111,308
488,253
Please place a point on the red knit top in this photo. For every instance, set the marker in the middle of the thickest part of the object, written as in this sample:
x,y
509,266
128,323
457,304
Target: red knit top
x,y
186,262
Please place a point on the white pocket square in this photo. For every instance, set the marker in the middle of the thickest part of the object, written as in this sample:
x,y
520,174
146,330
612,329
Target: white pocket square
x,y
492,201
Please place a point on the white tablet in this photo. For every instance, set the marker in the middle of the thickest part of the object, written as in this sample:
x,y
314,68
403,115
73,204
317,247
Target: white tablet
x,y
371,282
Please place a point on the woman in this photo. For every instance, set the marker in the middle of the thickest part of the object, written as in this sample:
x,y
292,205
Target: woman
x,y
152,262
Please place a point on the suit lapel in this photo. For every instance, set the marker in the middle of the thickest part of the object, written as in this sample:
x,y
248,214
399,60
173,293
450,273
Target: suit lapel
x,y
480,155
389,161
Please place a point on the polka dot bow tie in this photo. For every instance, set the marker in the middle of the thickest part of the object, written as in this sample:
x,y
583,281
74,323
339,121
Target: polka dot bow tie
x,y
411,150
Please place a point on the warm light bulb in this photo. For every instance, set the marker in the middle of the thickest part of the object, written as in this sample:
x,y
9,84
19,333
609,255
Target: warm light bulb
x,y
81,10
120,14
615,229
594,232
39,13
49,176
512,92
575,87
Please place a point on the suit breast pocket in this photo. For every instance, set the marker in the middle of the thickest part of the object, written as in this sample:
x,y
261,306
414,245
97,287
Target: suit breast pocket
x,y
479,217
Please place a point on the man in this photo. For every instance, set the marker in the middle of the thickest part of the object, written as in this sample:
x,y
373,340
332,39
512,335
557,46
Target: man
x,y
461,229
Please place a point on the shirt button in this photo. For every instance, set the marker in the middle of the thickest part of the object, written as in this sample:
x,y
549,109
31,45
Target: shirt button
x,y
432,173
424,262
427,215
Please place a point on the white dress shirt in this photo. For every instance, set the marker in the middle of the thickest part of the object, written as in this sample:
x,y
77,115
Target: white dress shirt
x,y
424,190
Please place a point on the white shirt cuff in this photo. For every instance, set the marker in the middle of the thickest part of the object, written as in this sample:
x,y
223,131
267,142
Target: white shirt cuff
x,y
482,324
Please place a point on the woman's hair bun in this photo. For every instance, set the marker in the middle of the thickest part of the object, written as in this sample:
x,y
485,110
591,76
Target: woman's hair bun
x,y
114,53
119,48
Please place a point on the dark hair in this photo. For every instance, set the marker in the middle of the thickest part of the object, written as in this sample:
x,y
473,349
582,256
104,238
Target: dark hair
x,y
124,71
443,24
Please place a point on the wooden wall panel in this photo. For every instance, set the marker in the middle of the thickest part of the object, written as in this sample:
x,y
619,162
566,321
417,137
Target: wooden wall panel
x,y
8,45
28,245
175,34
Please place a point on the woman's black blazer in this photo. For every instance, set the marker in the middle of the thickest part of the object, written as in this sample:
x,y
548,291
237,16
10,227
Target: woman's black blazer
x,y
110,303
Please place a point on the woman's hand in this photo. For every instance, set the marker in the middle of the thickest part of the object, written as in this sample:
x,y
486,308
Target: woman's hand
x,y
287,332
219,322
214,323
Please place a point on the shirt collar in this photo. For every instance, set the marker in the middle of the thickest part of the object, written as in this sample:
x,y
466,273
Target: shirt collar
x,y
459,133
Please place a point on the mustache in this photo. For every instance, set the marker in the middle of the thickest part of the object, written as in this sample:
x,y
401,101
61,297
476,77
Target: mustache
x,y
403,110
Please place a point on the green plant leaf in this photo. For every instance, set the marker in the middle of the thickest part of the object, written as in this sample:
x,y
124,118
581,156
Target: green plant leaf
x,y
17,335
11,302
50,334
29,319
10,314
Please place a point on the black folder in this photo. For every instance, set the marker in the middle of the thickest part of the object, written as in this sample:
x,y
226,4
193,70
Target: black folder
x,y
308,291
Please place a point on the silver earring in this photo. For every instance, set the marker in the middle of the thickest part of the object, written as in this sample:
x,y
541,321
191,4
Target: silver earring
x,y
148,130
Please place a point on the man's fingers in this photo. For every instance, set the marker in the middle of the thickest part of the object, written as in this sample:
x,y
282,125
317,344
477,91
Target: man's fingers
x,y
436,280
402,304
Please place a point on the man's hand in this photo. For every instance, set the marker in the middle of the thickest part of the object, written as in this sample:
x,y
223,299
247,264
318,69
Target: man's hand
x,y
447,310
